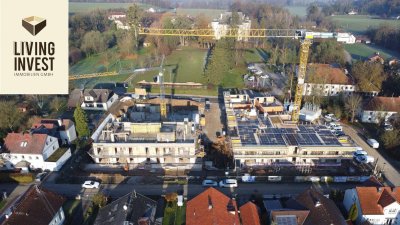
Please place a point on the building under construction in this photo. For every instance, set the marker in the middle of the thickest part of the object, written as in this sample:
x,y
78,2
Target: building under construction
x,y
135,134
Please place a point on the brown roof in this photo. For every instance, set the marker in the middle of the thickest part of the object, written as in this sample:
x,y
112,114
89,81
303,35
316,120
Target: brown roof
x,y
373,200
75,97
249,214
300,215
389,104
326,74
37,207
211,207
35,143
323,211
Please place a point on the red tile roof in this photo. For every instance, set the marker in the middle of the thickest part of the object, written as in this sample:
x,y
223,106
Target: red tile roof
x,y
373,200
326,74
389,104
211,207
34,143
249,214
37,207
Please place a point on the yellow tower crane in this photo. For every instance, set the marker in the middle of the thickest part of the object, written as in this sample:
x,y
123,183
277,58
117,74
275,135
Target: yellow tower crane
x,y
163,104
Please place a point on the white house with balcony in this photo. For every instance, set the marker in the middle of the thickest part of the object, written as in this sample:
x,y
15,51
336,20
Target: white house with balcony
x,y
374,205
34,151
327,80
98,99
380,109
221,26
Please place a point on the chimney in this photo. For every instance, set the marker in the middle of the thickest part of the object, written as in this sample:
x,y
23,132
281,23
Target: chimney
x,y
59,122
231,208
210,205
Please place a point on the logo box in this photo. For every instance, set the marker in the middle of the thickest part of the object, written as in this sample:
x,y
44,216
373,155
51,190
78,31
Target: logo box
x,y
34,24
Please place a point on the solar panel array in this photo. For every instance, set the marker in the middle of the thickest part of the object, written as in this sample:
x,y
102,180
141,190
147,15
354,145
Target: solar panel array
x,y
271,139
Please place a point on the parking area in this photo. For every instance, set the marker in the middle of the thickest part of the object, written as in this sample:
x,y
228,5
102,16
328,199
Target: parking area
x,y
260,77
214,122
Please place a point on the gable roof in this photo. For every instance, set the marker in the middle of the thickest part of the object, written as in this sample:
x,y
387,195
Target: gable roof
x,y
211,207
323,211
132,207
300,215
249,214
326,74
34,143
38,206
389,104
373,200
99,95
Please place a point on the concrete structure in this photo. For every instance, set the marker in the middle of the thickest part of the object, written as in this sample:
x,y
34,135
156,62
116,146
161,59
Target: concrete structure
x,y
310,112
34,151
37,206
326,80
221,26
263,139
380,109
119,20
140,138
249,98
346,38
92,99
374,205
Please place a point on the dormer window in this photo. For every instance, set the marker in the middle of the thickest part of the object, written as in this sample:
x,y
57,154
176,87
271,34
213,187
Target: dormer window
x,y
24,143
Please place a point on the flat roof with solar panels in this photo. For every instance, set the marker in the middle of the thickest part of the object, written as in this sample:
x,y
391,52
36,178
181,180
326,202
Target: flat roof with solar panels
x,y
258,130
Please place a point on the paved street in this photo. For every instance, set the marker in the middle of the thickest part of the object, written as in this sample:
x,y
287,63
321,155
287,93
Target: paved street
x,y
385,163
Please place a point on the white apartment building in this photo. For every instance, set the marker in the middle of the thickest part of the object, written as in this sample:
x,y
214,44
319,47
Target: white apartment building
x,y
326,80
257,141
34,151
139,138
221,26
380,109
346,38
376,205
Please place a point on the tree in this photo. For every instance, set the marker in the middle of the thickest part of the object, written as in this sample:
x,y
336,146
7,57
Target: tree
x,y
10,116
369,76
81,122
328,52
134,17
390,139
220,61
57,103
99,200
352,104
93,42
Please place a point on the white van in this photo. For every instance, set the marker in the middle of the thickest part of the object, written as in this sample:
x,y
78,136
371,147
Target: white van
x,y
228,183
373,143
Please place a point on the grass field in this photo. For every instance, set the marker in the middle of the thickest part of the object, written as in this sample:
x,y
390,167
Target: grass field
x,y
362,51
78,7
297,10
209,13
359,24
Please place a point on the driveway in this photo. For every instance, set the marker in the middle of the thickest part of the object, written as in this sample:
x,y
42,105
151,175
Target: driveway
x,y
385,163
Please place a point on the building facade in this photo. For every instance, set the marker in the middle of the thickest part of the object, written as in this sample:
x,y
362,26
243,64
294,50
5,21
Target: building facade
x,y
221,26
380,109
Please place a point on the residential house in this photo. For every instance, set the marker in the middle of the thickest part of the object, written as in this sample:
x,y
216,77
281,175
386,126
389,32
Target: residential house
x,y
309,208
393,61
327,80
23,107
352,12
221,26
92,99
363,39
132,208
374,205
37,206
212,207
63,129
380,109
34,151
249,214
376,57
346,38
119,19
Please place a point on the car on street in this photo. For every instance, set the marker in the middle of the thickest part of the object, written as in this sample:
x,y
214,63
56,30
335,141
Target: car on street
x,y
40,176
89,184
364,159
250,78
228,183
373,143
210,183
359,152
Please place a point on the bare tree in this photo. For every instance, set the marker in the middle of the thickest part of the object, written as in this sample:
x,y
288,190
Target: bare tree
x,y
352,104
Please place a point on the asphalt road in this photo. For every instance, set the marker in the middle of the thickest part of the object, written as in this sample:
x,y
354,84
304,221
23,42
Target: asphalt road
x,y
71,190
386,164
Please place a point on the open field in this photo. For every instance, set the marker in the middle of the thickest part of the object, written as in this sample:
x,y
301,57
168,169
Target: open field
x,y
359,24
78,7
209,13
362,51
297,10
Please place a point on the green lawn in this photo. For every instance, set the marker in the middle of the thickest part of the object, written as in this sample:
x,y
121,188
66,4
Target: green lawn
x,y
57,155
174,215
362,51
359,24
209,13
297,10
78,7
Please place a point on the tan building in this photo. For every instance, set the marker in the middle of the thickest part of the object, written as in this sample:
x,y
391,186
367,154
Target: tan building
x,y
221,26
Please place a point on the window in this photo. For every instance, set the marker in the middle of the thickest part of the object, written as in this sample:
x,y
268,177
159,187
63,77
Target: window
x,y
370,113
23,157
30,157
392,211
37,157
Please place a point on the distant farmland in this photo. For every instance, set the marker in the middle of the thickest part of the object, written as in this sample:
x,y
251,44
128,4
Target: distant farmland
x,y
297,10
209,13
359,24
78,7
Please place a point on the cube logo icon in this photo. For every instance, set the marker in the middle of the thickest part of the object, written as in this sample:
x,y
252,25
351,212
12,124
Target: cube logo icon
x,y
34,24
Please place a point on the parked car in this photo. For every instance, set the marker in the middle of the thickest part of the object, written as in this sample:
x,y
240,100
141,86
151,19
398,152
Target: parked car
x,y
40,176
359,152
228,183
373,143
91,184
364,159
328,117
210,183
250,78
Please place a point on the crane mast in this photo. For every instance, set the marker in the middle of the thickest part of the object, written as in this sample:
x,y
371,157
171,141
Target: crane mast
x,y
163,104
